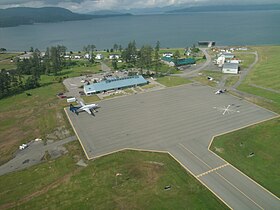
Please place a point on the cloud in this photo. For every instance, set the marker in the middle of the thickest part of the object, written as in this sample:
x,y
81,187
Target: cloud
x,y
92,5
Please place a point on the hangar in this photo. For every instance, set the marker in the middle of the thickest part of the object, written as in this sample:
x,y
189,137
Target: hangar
x,y
231,68
114,84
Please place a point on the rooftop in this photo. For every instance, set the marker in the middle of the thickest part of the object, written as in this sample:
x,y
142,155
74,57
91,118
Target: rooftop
x,y
231,65
115,83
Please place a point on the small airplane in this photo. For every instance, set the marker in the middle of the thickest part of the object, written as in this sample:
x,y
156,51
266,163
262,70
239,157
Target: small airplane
x,y
89,108
218,92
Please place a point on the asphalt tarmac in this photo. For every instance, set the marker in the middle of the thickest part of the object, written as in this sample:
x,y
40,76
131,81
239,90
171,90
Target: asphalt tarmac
x,y
182,122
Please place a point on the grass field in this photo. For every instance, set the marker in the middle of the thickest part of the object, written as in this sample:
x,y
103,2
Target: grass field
x,y
264,77
247,59
231,80
5,60
139,184
203,78
263,141
170,81
24,118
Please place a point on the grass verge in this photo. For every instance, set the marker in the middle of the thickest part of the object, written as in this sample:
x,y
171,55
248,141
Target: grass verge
x,y
262,140
170,81
124,180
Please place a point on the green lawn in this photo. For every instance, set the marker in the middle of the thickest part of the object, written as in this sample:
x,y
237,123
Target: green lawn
x,y
90,99
203,78
140,184
170,81
231,80
266,71
265,75
247,59
4,56
263,140
5,62
23,118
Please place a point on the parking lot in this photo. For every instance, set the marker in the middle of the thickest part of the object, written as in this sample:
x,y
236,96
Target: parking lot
x,y
180,121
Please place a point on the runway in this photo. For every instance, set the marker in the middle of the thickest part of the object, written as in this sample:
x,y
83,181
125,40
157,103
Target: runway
x,y
182,122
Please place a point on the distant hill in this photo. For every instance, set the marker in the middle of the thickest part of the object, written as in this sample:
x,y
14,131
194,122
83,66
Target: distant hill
x,y
108,13
227,8
25,16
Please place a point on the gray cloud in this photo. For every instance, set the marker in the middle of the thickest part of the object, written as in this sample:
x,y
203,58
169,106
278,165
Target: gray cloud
x,y
91,5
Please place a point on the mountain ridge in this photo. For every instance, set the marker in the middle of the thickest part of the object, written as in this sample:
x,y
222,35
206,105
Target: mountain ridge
x,y
16,16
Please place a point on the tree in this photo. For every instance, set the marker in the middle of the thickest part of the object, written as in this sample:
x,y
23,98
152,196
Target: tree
x,y
115,64
115,47
176,56
89,49
5,83
120,48
157,60
130,53
145,56
3,50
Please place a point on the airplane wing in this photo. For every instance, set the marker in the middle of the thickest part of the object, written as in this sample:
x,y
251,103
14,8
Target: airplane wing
x,y
87,110
82,104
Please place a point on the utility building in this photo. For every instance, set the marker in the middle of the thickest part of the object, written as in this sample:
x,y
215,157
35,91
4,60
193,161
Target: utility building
x,y
114,84
231,68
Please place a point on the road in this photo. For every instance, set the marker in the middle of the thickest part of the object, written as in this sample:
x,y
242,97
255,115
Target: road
x,y
245,73
33,154
201,67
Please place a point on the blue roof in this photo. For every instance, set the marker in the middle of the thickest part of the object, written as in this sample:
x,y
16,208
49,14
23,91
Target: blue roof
x,y
112,84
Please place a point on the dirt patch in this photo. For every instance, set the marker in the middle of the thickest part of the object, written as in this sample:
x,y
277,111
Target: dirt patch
x,y
59,133
220,150
149,173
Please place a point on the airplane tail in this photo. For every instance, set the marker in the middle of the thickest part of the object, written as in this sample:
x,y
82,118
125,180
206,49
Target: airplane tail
x,y
74,109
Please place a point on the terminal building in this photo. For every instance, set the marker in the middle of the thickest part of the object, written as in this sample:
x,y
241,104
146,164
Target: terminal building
x,y
114,84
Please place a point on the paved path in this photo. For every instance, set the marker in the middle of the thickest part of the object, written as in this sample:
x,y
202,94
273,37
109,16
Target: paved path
x,y
33,154
199,68
265,88
245,73
182,122
105,68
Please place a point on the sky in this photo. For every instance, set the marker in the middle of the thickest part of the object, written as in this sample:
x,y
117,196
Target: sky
x,y
84,6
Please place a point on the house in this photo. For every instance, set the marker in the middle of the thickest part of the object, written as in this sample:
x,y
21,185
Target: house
x,y
184,61
87,56
234,61
77,57
230,68
114,56
114,84
99,57
220,61
228,55
167,54
26,56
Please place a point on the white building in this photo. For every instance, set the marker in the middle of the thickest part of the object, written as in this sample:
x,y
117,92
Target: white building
x,y
235,61
114,56
87,56
167,54
230,68
77,57
221,60
99,57
228,55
